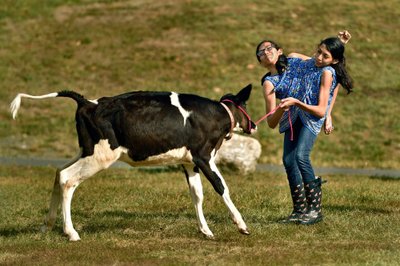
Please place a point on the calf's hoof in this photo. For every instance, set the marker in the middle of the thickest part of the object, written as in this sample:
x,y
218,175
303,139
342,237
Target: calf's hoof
x,y
244,231
73,236
209,236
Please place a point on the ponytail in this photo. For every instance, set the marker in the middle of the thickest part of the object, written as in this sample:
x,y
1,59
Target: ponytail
x,y
281,64
343,76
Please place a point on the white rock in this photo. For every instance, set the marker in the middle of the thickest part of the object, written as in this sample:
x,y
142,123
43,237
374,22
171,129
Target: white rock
x,y
241,152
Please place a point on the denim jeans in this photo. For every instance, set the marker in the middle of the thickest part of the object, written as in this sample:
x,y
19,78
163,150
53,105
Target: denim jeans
x,y
296,154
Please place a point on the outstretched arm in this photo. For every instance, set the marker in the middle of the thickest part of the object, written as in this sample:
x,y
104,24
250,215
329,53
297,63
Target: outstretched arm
x,y
344,37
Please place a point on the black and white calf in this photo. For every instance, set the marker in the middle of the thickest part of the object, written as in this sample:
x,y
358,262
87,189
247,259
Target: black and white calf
x,y
149,128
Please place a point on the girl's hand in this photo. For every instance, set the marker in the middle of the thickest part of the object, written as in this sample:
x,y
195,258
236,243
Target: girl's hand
x,y
287,102
344,36
328,126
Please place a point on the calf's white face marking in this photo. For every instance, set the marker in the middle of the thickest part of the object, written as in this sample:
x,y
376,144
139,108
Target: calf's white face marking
x,y
175,102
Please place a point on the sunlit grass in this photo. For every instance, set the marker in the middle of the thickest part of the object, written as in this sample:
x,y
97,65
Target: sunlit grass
x,y
145,217
204,47
140,216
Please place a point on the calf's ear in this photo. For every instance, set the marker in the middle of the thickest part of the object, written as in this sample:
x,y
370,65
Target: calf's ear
x,y
244,94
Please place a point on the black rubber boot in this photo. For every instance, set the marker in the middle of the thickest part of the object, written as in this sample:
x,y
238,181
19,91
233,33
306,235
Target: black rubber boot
x,y
314,199
299,204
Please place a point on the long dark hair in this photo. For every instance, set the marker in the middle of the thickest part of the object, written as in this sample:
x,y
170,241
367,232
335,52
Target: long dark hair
x,y
336,48
282,61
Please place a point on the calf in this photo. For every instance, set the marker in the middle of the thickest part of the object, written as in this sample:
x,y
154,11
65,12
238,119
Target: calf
x,y
149,128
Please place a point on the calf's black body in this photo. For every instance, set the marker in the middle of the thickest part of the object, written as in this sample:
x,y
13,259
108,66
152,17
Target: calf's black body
x,y
145,128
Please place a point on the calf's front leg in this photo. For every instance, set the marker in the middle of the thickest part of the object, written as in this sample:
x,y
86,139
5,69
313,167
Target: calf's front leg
x,y
196,192
210,170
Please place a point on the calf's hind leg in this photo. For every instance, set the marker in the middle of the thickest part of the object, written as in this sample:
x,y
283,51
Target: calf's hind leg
x,y
79,171
55,199
70,178
54,203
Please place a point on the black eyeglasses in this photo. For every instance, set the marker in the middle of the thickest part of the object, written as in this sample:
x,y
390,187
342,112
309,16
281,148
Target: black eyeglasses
x,y
262,52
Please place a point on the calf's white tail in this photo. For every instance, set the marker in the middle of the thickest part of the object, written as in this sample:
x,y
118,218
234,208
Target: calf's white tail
x,y
16,103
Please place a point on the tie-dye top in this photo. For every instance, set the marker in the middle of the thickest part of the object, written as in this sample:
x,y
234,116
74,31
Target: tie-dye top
x,y
291,78
301,80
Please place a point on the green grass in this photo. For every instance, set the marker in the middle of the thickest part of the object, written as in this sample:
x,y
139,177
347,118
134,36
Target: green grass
x,y
204,47
146,217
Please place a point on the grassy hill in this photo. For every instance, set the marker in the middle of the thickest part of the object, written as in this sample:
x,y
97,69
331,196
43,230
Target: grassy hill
x,y
204,47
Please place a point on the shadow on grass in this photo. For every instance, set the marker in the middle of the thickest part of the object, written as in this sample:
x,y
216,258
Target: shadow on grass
x,y
117,220
12,231
111,220
161,169
386,178
353,208
106,221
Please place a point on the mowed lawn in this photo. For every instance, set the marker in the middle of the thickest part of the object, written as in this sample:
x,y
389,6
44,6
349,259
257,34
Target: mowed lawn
x,y
145,217
207,47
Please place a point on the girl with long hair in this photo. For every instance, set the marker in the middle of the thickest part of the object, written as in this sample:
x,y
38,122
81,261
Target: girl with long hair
x,y
307,88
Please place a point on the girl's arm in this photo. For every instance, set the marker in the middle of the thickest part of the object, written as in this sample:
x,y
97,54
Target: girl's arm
x,y
328,126
297,55
316,110
270,104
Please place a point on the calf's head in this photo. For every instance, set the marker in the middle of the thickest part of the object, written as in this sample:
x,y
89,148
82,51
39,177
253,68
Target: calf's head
x,y
237,105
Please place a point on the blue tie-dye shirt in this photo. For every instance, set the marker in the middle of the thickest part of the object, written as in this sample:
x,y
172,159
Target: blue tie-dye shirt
x,y
301,80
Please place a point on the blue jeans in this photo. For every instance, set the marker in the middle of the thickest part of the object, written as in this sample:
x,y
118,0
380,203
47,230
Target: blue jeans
x,y
296,154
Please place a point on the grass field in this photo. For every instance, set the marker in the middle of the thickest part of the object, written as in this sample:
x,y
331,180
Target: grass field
x,y
205,47
145,217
